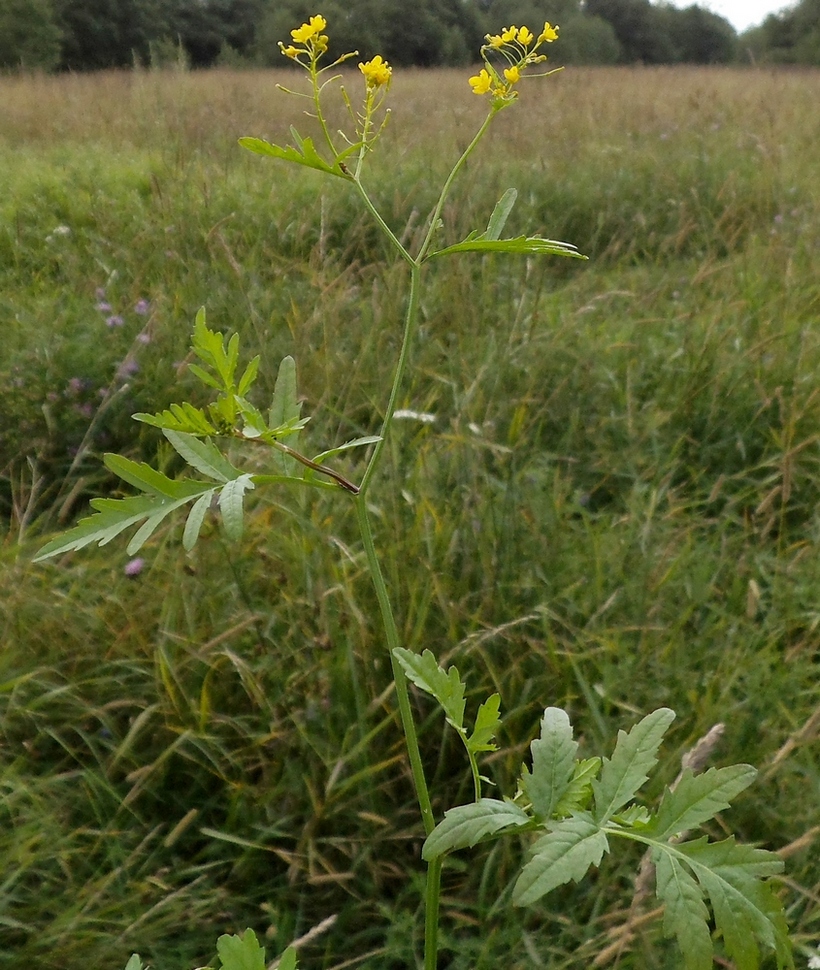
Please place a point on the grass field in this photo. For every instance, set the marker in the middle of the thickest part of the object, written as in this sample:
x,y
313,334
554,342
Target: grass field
x,y
614,509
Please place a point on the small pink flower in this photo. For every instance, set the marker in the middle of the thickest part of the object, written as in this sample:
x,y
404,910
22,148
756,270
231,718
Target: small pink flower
x,y
134,567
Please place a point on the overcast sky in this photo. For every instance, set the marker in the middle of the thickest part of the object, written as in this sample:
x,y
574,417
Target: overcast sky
x,y
741,14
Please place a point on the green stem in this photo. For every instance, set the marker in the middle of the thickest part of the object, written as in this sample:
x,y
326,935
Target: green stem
x,y
432,896
383,226
450,179
410,325
402,694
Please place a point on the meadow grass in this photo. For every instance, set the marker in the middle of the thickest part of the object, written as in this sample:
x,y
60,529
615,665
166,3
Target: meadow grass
x,y
614,509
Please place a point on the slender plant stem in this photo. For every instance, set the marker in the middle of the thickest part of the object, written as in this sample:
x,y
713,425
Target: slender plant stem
x,y
445,190
433,886
432,896
371,208
402,694
410,324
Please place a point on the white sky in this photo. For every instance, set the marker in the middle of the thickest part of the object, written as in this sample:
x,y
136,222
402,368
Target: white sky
x,y
741,14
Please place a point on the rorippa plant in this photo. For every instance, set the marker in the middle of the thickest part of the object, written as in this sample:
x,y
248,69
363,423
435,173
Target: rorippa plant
x,y
570,810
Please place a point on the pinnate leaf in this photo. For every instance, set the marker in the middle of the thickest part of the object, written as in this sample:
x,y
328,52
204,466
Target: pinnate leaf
x,y
745,908
204,456
179,417
111,518
447,688
145,478
635,754
685,916
553,763
241,952
697,798
565,853
467,825
303,154
487,723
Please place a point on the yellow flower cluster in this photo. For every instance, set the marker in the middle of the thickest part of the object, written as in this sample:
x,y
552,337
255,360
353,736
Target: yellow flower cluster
x,y
376,72
519,46
313,42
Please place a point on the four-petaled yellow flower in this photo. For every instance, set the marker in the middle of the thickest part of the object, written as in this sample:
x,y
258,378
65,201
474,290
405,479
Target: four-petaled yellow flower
x,y
481,83
512,74
307,32
292,52
376,72
519,47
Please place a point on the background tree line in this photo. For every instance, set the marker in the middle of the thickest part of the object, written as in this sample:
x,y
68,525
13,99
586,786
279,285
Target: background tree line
x,y
83,35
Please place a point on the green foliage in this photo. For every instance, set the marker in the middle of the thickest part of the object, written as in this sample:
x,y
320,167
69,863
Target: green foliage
x,y
238,953
746,911
610,480
29,35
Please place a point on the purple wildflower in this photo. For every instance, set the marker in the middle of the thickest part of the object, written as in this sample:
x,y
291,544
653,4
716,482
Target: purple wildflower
x,y
142,307
114,321
104,307
134,567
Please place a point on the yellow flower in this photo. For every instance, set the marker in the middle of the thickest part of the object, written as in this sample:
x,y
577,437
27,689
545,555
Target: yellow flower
x,y
509,34
512,74
310,30
524,36
494,40
481,83
291,52
376,72
548,34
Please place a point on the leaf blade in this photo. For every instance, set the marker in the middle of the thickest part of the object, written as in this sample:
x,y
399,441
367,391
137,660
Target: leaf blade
x,y
466,825
447,688
564,854
553,762
636,752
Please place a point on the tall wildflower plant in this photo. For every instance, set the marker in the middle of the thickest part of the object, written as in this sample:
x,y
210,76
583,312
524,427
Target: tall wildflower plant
x,y
569,809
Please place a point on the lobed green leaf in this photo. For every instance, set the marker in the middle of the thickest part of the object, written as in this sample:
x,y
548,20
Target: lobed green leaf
x,y
241,952
447,688
697,798
204,456
487,723
565,853
685,916
746,910
466,825
179,417
303,154
553,764
635,754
